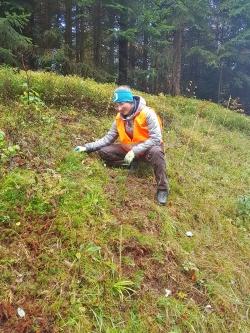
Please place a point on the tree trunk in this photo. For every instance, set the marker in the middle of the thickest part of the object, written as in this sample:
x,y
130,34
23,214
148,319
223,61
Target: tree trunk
x,y
68,23
123,49
111,55
176,71
78,33
45,15
144,83
131,63
58,13
97,32
220,83
155,77
132,53
41,16
109,50
81,41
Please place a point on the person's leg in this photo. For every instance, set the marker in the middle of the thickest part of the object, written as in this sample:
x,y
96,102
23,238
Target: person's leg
x,y
155,156
113,154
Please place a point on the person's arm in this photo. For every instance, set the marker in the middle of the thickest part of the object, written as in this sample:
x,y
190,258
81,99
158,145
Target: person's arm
x,y
109,138
155,134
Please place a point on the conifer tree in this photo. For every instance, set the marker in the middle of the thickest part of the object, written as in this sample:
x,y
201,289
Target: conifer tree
x,y
12,40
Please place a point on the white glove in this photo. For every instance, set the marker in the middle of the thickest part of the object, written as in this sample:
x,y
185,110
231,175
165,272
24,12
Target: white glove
x,y
80,149
129,157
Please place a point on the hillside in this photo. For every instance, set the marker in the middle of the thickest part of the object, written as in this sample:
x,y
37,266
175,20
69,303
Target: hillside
x,y
84,248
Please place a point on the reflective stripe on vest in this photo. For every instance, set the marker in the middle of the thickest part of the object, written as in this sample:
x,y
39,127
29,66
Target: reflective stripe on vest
x,y
140,129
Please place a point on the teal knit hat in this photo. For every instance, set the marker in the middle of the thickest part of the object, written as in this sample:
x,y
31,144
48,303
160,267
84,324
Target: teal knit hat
x,y
122,95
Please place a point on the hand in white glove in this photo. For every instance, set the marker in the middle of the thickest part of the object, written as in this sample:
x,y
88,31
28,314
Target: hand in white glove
x,y
129,157
80,149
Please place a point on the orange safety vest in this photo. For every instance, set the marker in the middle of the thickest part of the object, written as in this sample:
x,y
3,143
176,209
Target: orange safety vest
x,y
140,129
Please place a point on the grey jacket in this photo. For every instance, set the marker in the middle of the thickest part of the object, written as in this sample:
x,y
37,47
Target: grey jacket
x,y
155,135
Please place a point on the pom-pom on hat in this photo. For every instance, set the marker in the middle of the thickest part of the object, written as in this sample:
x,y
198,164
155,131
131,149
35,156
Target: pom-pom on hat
x,y
122,95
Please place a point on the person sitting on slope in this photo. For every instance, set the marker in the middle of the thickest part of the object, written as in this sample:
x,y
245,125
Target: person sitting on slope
x,y
138,129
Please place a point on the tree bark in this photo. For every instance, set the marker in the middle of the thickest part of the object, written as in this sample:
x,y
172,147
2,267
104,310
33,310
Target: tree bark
x,y
68,23
123,49
97,32
220,83
176,71
45,15
78,34
144,83
42,17
81,41
131,63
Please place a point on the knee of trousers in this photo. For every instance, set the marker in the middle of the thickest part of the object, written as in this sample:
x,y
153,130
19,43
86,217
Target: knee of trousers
x,y
104,152
156,152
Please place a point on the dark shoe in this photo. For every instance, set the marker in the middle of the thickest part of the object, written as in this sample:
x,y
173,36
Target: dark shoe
x,y
162,197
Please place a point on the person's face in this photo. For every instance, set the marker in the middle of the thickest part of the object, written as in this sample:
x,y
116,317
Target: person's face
x,y
124,108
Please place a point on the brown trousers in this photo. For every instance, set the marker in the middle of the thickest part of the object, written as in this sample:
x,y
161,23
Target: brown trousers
x,y
114,155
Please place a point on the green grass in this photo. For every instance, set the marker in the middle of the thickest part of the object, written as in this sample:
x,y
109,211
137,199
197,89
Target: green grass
x,y
84,248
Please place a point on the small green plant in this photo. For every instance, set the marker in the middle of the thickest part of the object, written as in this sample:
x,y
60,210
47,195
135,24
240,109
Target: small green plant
x,y
99,318
5,219
191,270
31,97
244,206
243,211
94,251
6,151
189,266
123,287
47,119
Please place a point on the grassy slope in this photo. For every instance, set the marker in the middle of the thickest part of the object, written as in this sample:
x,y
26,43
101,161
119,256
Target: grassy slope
x,y
72,230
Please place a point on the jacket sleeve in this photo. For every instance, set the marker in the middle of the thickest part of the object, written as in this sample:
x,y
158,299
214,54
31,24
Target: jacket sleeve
x,y
155,134
109,138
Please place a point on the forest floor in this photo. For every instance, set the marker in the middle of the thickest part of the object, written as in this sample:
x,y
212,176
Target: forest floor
x,y
85,248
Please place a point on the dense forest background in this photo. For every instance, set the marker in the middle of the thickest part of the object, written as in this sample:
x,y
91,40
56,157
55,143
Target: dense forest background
x,y
195,48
